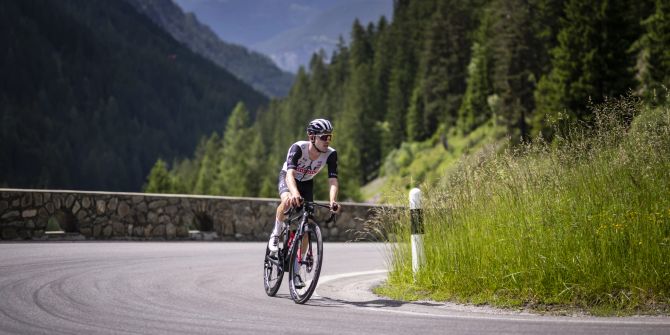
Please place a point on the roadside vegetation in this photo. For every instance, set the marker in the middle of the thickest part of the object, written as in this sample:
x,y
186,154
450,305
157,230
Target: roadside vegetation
x,y
578,224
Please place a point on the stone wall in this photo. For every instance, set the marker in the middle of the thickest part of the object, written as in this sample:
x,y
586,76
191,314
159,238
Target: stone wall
x,y
26,214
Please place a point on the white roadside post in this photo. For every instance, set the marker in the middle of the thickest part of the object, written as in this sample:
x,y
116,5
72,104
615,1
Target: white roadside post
x,y
416,217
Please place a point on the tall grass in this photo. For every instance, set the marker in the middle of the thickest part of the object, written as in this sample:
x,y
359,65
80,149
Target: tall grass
x,y
581,222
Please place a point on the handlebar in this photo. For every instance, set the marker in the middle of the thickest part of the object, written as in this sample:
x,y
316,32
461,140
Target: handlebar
x,y
310,204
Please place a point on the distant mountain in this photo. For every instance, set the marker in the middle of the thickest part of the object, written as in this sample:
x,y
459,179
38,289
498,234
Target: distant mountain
x,y
288,31
294,47
93,93
252,67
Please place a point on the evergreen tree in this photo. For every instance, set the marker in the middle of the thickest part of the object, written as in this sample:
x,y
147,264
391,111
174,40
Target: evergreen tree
x,y
444,62
297,109
159,180
318,75
653,54
234,174
590,62
381,68
475,109
416,126
544,18
402,76
208,167
360,104
258,171
273,154
516,65
398,102
355,138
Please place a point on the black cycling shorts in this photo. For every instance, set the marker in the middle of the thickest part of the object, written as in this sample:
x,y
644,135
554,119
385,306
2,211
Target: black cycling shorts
x,y
304,187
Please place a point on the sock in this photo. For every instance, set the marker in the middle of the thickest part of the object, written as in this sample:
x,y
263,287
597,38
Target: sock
x,y
277,229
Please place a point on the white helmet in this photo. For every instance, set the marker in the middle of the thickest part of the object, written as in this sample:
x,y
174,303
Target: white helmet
x,y
319,126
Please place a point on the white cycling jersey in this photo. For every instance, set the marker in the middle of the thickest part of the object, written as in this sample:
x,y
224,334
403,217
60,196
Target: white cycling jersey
x,y
305,168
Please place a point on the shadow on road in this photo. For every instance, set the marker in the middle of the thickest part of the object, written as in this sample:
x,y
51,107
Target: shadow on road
x,y
375,303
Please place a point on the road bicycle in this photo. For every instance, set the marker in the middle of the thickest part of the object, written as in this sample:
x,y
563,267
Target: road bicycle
x,y
300,252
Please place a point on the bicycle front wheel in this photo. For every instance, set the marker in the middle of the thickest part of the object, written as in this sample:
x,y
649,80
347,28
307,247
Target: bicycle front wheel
x,y
273,272
305,265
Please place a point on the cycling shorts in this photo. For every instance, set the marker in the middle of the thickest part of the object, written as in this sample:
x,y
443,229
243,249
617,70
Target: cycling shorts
x,y
304,187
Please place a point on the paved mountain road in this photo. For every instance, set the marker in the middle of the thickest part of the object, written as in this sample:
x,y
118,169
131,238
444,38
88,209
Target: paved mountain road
x,y
217,288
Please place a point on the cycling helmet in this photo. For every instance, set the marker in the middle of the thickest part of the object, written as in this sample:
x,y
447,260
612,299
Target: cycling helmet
x,y
319,126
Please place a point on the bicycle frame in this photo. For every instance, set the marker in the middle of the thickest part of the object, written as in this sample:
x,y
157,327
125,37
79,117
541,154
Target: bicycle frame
x,y
306,218
290,254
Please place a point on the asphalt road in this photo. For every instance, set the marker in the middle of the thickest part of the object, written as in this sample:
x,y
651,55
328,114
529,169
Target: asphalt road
x,y
217,288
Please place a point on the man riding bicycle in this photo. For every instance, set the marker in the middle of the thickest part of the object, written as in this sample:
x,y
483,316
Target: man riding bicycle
x,y
304,160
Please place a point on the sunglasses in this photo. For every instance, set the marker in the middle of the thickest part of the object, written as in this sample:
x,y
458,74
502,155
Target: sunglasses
x,y
326,137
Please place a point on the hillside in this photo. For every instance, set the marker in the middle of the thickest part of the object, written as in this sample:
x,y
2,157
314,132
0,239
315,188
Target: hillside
x,y
252,67
93,93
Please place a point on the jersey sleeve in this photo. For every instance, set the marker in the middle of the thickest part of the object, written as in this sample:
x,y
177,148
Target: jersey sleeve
x,y
332,165
294,155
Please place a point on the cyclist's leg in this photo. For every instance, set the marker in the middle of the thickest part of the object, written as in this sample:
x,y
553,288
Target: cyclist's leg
x,y
306,189
279,217
284,193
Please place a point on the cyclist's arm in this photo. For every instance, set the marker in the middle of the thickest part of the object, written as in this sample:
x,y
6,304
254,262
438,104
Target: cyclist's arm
x,y
290,182
292,187
332,180
334,188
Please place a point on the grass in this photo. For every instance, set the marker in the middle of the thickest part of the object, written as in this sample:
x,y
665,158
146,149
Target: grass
x,y
426,162
582,223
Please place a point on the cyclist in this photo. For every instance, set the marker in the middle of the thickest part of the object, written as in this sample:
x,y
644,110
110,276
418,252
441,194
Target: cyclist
x,y
304,160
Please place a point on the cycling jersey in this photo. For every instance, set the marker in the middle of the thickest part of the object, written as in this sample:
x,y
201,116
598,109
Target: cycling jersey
x,y
305,168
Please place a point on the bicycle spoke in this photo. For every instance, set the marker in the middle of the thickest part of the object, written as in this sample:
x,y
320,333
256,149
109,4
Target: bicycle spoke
x,y
272,273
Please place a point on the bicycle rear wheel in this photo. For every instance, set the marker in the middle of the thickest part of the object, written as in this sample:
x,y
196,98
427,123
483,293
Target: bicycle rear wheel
x,y
273,271
305,265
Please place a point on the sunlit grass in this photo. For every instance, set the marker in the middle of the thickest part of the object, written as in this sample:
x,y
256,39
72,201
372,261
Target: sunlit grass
x,y
427,162
581,223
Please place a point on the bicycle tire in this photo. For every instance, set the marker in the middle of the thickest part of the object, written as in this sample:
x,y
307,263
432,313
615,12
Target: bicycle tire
x,y
272,273
309,269
273,267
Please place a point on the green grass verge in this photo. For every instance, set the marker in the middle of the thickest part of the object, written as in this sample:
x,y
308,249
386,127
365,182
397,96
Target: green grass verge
x,y
582,223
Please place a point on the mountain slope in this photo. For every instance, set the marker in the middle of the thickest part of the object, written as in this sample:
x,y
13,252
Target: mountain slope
x,y
93,93
294,47
252,67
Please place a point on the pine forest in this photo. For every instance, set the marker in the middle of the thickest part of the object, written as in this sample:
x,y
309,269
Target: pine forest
x,y
440,69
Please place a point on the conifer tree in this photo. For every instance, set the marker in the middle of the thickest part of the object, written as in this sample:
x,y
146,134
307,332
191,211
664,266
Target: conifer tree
x,y
444,62
297,109
318,75
516,65
266,130
398,101
590,62
159,180
234,170
258,171
208,167
416,128
653,54
381,68
356,140
475,110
